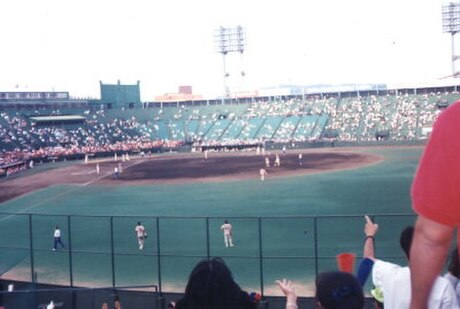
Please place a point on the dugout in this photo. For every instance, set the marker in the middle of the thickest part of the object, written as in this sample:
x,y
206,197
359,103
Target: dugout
x,y
57,120
11,168
442,104
382,135
231,147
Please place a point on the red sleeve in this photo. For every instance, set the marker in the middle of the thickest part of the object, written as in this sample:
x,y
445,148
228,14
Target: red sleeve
x,y
436,187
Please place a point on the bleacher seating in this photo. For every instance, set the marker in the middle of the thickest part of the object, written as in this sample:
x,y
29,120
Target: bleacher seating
x,y
351,119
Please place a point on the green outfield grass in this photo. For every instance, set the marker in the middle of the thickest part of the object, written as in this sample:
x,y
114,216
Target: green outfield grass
x,y
287,228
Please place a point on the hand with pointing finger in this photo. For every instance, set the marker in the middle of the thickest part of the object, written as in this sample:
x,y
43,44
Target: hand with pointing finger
x,y
371,228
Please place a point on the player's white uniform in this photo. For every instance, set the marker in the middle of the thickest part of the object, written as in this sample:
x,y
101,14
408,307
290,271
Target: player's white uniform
x,y
140,233
227,228
262,173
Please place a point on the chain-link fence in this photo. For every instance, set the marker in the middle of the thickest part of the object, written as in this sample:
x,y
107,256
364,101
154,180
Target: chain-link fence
x,y
102,251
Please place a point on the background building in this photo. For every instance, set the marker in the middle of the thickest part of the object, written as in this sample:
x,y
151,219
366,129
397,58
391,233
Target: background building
x,y
118,95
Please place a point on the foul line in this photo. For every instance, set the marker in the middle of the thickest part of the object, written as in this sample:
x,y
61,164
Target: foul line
x,y
53,197
56,196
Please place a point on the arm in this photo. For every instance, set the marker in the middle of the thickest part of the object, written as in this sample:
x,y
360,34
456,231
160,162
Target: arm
x,y
370,230
427,256
288,290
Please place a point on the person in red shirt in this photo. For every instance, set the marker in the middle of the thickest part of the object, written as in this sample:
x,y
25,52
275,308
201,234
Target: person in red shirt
x,y
436,199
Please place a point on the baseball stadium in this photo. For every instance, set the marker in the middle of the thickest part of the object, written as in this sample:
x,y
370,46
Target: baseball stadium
x,y
185,168
111,202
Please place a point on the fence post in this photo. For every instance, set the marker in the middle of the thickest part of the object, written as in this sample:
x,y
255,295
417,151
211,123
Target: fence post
x,y
315,225
161,302
261,267
208,251
158,255
263,302
112,251
70,251
31,243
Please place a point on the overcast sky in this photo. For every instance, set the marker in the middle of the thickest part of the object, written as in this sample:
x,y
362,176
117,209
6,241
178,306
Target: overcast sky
x,y
70,45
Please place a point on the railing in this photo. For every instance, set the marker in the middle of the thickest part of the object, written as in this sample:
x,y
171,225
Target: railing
x,y
22,296
102,250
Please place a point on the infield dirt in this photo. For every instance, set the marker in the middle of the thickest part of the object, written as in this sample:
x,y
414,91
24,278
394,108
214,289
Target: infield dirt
x,y
187,168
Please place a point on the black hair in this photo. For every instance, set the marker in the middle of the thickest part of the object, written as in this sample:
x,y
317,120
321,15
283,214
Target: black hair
x,y
454,264
211,285
405,240
339,290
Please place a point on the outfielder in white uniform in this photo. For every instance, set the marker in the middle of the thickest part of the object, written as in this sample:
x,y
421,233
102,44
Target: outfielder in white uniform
x,y
227,228
141,234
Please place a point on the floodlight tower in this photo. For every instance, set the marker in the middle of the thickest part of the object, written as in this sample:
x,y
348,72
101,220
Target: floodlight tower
x,y
241,39
230,40
451,24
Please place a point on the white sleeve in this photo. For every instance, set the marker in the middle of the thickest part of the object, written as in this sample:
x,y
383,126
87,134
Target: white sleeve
x,y
444,289
381,271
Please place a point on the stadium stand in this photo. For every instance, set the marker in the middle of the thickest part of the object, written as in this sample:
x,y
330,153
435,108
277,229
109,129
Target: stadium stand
x,y
70,129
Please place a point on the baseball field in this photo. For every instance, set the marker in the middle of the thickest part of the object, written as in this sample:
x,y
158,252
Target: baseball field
x,y
289,226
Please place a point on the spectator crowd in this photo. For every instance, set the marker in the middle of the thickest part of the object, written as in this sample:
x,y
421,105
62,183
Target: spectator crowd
x,y
403,117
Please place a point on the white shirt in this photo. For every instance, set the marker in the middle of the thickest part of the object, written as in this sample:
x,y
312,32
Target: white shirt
x,y
140,230
455,283
57,233
227,228
394,281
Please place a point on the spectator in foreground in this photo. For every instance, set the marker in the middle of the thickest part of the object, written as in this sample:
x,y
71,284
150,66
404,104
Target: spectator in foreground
x,y
211,286
436,199
334,290
394,280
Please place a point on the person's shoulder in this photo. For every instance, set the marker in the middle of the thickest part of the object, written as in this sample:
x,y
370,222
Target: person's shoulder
x,y
444,290
452,279
387,268
389,274
450,114
380,262
454,107
442,283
